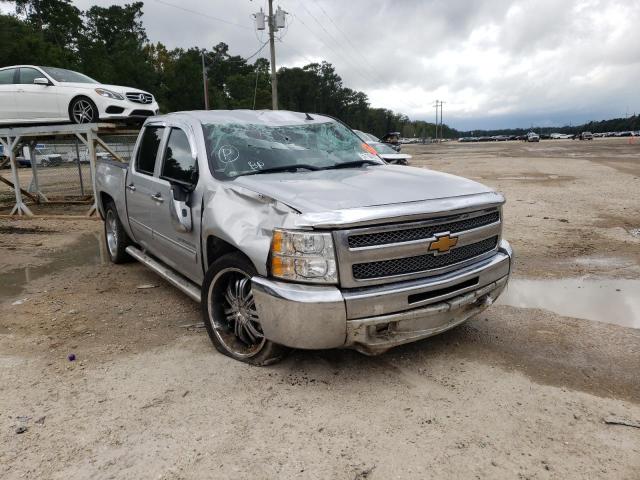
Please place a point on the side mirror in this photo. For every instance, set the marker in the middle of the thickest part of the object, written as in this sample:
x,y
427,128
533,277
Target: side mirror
x,y
41,81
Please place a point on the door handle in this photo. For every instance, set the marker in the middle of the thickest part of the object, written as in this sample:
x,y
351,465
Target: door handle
x,y
131,187
157,197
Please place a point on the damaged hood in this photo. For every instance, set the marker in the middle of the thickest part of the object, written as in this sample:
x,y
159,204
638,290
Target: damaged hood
x,y
339,189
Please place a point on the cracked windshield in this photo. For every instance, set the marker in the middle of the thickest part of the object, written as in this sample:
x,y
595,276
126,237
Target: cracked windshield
x,y
244,149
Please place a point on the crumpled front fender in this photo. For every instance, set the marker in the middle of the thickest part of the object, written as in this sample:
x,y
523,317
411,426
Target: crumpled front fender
x,y
245,219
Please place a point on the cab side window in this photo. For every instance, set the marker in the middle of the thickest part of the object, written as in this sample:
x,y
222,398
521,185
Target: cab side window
x,y
6,76
27,75
178,164
148,151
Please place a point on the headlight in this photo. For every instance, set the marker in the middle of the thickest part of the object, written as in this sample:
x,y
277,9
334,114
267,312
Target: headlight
x,y
303,256
103,92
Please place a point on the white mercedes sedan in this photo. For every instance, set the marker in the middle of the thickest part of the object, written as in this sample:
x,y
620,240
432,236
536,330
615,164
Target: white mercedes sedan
x,y
31,94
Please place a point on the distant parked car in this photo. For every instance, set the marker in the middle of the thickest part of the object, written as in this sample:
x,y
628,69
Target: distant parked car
x,y
533,137
31,94
586,136
44,157
367,137
387,153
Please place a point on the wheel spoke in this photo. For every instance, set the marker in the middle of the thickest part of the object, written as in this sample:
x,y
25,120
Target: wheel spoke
x,y
235,318
252,331
238,329
229,297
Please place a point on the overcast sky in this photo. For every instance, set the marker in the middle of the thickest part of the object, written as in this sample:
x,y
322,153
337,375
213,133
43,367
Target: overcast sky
x,y
495,63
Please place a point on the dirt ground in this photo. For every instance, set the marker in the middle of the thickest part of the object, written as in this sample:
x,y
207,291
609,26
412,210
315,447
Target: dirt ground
x,y
513,393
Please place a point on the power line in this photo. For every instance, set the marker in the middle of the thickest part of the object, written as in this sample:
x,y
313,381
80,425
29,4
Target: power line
x,y
310,60
349,60
201,14
326,44
366,62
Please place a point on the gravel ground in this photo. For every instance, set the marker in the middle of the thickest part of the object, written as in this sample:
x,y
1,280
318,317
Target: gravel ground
x,y
513,393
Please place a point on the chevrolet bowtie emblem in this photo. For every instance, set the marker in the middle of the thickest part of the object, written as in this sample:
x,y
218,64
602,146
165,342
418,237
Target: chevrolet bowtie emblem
x,y
443,243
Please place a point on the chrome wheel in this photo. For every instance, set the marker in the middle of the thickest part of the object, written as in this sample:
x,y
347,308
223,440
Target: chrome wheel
x,y
83,111
233,313
111,228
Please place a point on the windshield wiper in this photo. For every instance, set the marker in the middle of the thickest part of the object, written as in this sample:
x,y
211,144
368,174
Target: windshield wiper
x,y
285,168
355,163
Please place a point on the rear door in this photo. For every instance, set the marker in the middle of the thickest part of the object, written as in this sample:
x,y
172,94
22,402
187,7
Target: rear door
x,y
39,102
7,94
142,186
178,166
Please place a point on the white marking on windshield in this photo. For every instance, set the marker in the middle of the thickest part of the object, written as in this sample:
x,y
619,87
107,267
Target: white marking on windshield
x,y
228,154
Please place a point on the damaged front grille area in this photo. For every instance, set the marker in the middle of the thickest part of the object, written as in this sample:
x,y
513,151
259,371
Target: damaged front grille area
x,y
418,233
420,263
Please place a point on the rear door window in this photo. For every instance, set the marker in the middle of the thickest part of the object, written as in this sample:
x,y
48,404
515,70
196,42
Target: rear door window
x,y
6,76
149,145
27,75
178,164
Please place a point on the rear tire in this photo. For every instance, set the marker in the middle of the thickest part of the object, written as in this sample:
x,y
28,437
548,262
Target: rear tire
x,y
115,236
230,316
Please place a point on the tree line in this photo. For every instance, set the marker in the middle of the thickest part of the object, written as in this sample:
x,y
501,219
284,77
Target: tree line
x,y
110,44
631,123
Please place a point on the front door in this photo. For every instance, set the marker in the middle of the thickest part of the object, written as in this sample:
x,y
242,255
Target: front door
x,y
178,170
37,101
142,186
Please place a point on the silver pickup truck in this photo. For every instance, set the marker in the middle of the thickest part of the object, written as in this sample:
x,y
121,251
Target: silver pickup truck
x,y
292,233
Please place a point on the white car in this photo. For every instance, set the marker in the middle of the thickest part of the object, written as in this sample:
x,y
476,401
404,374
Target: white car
x,y
533,137
30,94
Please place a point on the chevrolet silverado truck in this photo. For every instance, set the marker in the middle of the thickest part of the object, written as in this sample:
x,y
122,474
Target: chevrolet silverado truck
x,y
292,233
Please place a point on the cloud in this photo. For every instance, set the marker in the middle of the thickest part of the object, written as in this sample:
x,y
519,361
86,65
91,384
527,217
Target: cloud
x,y
491,61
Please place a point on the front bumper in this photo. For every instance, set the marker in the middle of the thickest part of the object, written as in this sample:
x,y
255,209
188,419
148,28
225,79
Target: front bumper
x,y
109,109
374,319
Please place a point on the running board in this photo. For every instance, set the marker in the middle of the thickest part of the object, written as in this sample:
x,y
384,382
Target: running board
x,y
165,272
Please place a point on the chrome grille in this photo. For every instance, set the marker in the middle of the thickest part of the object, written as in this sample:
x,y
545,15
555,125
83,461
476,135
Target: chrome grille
x,y
138,97
410,234
401,266
379,254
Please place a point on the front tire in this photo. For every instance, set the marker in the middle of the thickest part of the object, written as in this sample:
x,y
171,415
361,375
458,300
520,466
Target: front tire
x,y
83,110
230,315
115,236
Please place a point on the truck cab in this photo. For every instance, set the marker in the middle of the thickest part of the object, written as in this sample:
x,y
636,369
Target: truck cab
x,y
291,233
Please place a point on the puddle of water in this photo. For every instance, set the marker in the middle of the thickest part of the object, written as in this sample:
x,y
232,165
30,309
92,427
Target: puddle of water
x,y
89,250
603,300
532,178
602,262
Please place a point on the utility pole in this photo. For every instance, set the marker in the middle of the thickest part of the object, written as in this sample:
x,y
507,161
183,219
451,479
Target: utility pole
x,y
205,83
441,123
272,46
276,21
436,136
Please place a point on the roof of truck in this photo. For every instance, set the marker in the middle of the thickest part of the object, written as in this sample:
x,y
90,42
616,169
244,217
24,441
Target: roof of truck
x,y
260,117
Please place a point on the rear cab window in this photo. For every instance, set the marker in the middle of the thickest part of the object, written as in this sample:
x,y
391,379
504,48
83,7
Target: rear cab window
x,y
148,151
179,165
